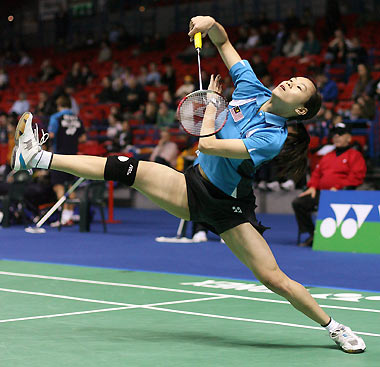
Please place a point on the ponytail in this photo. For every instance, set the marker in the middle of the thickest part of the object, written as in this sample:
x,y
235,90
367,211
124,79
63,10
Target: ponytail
x,y
292,159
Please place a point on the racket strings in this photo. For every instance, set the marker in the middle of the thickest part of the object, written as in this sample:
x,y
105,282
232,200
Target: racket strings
x,y
192,110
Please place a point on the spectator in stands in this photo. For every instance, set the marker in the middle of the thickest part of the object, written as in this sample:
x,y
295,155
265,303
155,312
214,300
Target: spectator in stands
x,y
3,128
322,124
281,37
167,97
3,79
47,71
69,91
368,106
135,96
208,50
365,82
125,137
105,52
166,151
343,168
66,132
327,87
153,77
338,48
106,95
266,36
119,91
169,77
126,76
25,59
150,110
114,126
186,88
74,76
21,105
293,46
117,70
86,75
311,45
253,38
242,37
141,78
43,106
259,66
357,54
355,112
166,117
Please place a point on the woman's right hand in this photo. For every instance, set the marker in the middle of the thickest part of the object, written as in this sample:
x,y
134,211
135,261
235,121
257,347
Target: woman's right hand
x,y
200,24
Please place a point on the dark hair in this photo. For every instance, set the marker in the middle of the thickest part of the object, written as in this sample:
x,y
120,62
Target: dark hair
x,y
313,105
292,159
63,101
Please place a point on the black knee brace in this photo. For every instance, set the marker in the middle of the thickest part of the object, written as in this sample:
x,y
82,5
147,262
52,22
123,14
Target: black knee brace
x,y
122,169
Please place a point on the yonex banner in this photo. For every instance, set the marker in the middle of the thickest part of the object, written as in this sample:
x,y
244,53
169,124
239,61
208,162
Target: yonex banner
x,y
348,221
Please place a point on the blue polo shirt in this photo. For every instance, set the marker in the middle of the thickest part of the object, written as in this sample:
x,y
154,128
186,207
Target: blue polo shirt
x,y
263,134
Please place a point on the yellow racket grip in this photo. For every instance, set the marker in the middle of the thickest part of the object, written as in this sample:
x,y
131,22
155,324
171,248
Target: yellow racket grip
x,y
198,40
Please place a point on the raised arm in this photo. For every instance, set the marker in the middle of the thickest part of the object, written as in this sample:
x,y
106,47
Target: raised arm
x,y
218,36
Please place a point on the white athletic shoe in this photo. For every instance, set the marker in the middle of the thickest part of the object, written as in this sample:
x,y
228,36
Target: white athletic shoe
x,y
200,237
274,186
347,340
27,144
288,185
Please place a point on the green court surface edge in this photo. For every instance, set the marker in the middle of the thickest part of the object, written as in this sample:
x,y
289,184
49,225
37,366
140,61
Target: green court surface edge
x,y
172,320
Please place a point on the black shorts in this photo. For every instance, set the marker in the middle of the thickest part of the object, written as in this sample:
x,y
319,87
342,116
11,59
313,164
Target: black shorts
x,y
216,210
60,178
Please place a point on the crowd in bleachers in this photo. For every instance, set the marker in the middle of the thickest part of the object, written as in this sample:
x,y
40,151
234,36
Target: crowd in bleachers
x,y
125,92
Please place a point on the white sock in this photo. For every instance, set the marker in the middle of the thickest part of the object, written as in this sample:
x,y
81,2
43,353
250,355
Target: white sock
x,y
41,160
332,325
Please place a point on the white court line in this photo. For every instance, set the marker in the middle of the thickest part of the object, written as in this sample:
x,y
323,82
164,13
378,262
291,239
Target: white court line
x,y
153,306
64,314
64,297
247,320
174,290
127,306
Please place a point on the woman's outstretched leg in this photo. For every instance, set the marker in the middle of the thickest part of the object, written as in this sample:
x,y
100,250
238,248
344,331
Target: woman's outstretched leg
x,y
253,251
163,185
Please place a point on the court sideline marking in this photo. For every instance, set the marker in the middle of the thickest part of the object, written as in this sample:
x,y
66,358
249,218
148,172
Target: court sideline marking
x,y
174,290
153,306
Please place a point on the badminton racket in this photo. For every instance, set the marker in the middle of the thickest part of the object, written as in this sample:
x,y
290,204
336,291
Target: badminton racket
x,y
37,228
191,109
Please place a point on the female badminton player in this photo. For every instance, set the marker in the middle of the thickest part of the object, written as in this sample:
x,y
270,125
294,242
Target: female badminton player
x,y
217,190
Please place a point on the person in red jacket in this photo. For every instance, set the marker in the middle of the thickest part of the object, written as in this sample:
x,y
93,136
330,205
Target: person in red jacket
x,y
343,168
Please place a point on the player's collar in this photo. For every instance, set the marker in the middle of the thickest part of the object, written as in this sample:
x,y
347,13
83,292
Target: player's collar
x,y
270,118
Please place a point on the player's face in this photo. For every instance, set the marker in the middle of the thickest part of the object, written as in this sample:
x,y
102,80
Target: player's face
x,y
295,92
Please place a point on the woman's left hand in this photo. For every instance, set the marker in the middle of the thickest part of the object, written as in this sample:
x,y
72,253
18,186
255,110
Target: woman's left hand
x,y
215,83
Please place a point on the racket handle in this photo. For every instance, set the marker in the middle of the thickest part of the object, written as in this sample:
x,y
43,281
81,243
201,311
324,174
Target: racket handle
x,y
198,40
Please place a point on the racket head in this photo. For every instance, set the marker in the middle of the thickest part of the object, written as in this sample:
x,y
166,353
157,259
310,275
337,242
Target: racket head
x,y
191,110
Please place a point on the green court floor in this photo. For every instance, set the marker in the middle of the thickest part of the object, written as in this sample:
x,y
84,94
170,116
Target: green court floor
x,y
54,315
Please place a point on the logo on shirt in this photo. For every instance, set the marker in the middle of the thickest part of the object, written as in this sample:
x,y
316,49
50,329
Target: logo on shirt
x,y
236,113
